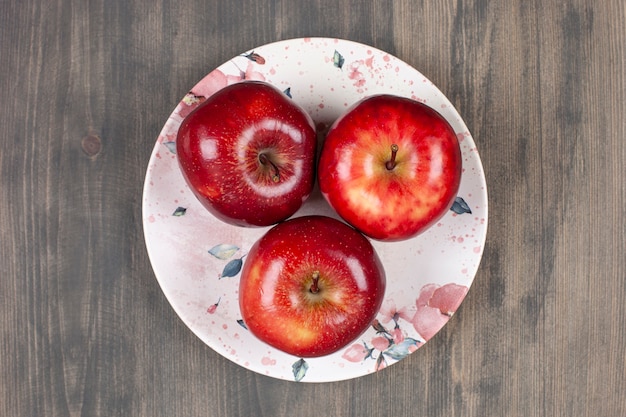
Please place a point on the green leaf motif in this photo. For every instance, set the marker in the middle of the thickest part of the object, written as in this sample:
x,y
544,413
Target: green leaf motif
x,y
232,268
380,362
254,57
180,211
223,251
400,350
171,146
299,369
338,60
460,206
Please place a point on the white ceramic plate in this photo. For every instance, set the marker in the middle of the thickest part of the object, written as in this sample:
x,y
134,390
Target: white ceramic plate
x,y
197,258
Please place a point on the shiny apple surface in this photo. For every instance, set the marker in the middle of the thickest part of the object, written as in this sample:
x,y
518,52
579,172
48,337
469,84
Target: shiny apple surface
x,y
310,286
391,167
247,152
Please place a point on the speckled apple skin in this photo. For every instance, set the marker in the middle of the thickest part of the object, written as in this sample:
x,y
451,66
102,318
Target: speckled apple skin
x,y
275,296
218,147
390,203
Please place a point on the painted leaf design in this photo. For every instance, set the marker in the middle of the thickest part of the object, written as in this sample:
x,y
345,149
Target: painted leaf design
x,y
253,56
378,327
288,92
171,146
180,211
242,324
338,60
299,369
223,251
402,349
460,206
232,268
380,362
191,99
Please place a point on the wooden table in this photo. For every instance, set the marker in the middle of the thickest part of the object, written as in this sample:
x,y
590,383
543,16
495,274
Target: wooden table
x,y
85,89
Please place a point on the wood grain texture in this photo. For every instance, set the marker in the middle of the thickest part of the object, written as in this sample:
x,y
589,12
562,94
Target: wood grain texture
x,y
84,327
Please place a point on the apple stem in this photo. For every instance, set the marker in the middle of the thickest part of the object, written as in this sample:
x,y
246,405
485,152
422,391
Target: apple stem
x,y
264,160
391,163
314,288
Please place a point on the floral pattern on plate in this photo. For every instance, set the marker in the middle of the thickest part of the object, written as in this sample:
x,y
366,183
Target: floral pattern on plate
x,y
197,259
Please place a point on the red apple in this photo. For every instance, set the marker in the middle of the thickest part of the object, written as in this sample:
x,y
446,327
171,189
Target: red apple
x,y
390,166
248,154
310,286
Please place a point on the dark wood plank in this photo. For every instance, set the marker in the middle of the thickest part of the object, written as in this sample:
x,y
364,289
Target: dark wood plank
x,y
84,327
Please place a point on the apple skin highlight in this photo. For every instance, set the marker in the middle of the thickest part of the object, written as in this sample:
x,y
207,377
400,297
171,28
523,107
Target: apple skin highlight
x,y
391,167
310,286
248,154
